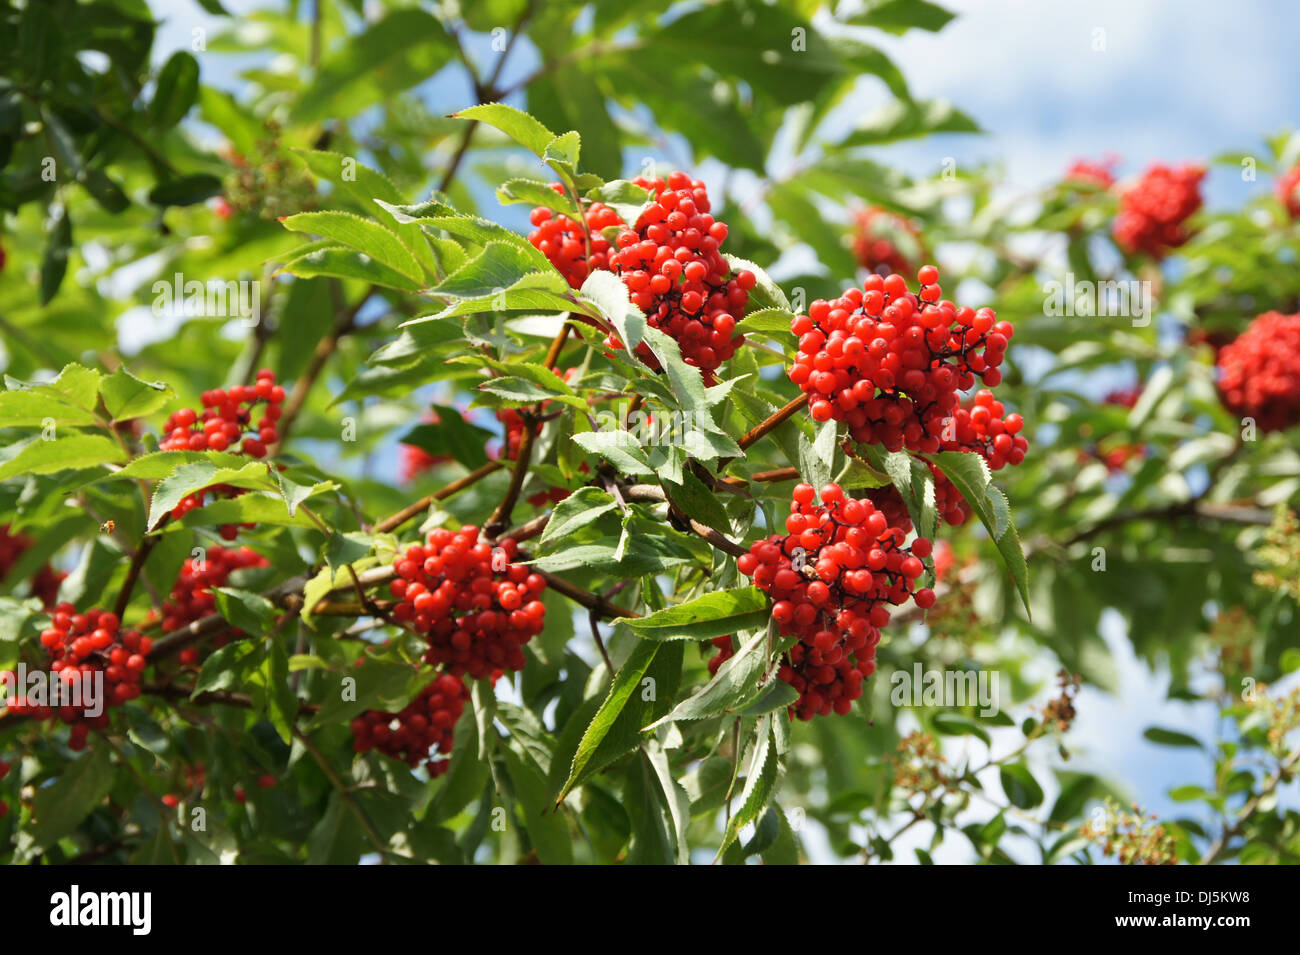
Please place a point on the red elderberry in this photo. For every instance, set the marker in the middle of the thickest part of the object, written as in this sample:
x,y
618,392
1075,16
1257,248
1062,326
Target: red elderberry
x,y
474,606
884,242
833,577
226,424
1288,191
1259,373
44,584
983,428
78,644
890,363
1099,174
192,597
669,259
1153,212
424,726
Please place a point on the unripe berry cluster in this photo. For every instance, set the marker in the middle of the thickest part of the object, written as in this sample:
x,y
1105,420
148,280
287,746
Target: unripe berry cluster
x,y
192,597
1259,373
876,237
84,643
890,363
424,725
669,259
1153,212
44,584
474,607
1288,191
832,578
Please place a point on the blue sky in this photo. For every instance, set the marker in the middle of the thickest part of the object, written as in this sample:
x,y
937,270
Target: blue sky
x,y
1051,82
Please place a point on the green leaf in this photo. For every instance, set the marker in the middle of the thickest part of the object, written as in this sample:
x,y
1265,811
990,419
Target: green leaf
x,y
59,808
499,268
1166,737
548,831
342,263
250,612
336,839
735,684
189,478
451,435
615,728
760,781
970,475
1020,786
55,263
619,448
38,456
176,91
899,16
224,668
185,190
576,511
126,396
364,235
516,124
366,69
535,193
909,120
104,190
951,724
711,615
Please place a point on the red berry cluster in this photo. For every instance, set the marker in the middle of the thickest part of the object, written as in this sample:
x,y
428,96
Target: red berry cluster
x,y
1153,212
86,643
1100,174
890,363
1259,373
192,596
562,239
425,724
44,585
475,607
1119,454
876,237
979,429
832,579
227,415
669,259
1288,191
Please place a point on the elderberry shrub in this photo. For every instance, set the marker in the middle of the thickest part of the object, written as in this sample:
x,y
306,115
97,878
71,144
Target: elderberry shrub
x,y
890,363
474,606
833,577
1259,373
78,644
